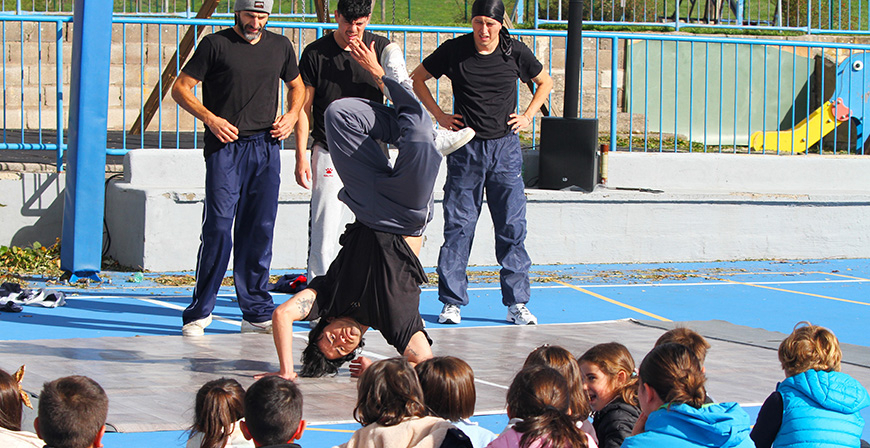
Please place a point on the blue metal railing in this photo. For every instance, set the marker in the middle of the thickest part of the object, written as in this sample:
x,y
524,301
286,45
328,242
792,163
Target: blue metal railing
x,y
811,16
651,92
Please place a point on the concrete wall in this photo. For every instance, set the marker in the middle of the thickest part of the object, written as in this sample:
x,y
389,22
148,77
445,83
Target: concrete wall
x,y
656,208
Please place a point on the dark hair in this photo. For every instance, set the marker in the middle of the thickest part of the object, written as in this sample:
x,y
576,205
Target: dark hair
x,y
388,392
612,358
314,363
541,397
559,358
448,387
688,337
354,9
10,402
219,405
72,410
673,371
273,410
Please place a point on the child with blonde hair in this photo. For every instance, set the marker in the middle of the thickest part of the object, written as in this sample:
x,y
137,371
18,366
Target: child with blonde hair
x,y
610,381
816,404
539,401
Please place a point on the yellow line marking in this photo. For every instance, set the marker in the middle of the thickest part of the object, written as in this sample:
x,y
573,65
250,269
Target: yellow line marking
x,y
308,428
840,275
607,299
793,292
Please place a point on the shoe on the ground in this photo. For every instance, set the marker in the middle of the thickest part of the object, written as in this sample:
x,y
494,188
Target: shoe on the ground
x,y
257,327
449,315
520,315
197,327
446,142
393,62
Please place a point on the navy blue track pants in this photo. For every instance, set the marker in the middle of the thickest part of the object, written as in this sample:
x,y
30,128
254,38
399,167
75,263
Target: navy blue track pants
x,y
241,202
491,167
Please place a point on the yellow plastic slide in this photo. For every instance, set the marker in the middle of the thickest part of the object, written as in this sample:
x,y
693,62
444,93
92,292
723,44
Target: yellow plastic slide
x,y
805,134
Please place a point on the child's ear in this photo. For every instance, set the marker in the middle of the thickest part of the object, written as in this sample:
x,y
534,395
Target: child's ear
x,y
298,434
622,377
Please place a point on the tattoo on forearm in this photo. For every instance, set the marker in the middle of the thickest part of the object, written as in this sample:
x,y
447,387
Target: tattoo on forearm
x,y
412,352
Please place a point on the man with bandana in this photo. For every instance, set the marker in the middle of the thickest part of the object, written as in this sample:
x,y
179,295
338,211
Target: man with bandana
x,y
483,67
239,68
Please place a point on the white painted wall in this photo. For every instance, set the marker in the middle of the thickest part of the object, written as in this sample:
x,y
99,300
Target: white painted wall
x,y
712,207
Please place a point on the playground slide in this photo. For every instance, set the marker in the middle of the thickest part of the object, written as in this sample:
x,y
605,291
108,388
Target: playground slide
x,y
804,135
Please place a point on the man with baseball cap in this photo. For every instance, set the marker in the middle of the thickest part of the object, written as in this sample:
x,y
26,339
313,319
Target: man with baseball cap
x,y
483,67
239,69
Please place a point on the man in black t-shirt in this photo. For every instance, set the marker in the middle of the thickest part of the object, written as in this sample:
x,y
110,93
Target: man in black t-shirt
x,y
375,279
240,69
329,73
483,67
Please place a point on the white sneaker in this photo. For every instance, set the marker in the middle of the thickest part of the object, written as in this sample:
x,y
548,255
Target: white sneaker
x,y
197,327
393,62
257,327
446,142
520,315
449,315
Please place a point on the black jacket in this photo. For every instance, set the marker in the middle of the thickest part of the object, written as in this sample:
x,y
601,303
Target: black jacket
x,y
614,423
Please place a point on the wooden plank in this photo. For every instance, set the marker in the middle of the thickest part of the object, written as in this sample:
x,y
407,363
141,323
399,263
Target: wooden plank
x,y
169,73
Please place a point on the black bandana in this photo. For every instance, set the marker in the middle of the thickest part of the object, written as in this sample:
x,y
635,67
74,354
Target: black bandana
x,y
494,9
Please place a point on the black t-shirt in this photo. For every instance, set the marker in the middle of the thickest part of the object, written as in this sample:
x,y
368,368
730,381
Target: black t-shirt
x,y
375,279
334,74
240,80
768,422
485,86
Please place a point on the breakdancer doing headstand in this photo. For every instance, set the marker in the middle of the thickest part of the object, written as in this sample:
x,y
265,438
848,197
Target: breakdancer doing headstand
x,y
374,282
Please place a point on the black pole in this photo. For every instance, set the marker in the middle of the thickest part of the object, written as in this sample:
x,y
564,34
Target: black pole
x,y
572,58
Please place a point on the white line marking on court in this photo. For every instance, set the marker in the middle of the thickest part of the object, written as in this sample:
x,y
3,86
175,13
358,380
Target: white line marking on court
x,y
173,306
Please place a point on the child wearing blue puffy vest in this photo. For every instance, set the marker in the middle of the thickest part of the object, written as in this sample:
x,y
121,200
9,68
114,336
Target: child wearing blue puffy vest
x,y
816,405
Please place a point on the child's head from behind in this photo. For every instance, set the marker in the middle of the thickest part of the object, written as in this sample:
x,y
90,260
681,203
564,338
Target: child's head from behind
x,y
541,397
448,387
388,392
674,373
688,337
10,402
562,361
218,405
608,373
810,347
273,411
72,412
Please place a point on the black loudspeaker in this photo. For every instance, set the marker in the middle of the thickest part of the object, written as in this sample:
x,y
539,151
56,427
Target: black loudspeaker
x,y
568,153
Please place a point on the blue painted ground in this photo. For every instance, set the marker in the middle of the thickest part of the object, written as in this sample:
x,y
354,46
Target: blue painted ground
x,y
773,295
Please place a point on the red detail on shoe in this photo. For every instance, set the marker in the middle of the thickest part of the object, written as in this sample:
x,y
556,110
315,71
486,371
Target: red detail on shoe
x,y
330,172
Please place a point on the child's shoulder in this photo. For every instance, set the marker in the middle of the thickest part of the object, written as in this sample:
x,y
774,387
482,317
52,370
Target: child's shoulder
x,y
618,408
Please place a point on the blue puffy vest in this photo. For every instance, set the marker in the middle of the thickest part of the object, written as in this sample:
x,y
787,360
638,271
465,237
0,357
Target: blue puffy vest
x,y
821,409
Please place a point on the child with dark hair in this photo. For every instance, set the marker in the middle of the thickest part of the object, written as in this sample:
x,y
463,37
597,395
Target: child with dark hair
x,y
611,383
448,391
391,408
11,402
816,404
219,406
672,394
539,401
273,413
72,413
561,359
